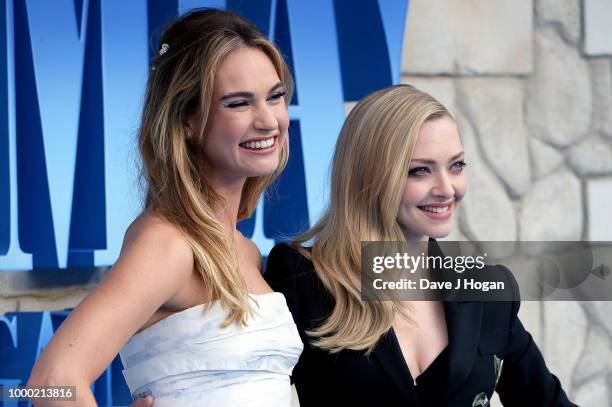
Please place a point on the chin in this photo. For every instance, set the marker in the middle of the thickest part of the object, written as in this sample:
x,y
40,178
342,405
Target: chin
x,y
441,235
261,171
261,167
437,233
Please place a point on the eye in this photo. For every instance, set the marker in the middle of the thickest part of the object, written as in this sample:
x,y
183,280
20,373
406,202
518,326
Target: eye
x,y
418,171
238,103
459,165
277,96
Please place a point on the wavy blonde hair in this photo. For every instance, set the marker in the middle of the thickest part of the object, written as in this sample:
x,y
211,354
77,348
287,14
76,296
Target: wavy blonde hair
x,y
180,85
369,170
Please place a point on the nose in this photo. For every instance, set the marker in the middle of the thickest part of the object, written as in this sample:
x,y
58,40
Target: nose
x,y
443,187
265,120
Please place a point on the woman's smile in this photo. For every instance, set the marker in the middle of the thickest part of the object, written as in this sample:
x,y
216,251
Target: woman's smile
x,y
437,212
261,145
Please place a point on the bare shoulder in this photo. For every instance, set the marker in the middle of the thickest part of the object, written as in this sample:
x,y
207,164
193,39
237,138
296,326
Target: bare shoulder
x,y
155,256
155,253
250,246
150,225
154,236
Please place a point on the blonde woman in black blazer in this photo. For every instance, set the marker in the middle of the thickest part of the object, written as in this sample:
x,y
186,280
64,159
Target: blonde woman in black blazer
x,y
398,174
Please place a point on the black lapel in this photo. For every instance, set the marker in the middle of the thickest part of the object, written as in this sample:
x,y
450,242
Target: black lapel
x,y
463,320
389,357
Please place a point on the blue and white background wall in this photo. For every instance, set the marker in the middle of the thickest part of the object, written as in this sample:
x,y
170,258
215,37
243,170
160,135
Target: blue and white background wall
x,y
529,81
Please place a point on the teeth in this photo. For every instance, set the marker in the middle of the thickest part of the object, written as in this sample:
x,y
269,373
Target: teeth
x,y
435,209
259,144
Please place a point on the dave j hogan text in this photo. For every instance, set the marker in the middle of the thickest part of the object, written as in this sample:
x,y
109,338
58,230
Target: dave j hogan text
x,y
426,284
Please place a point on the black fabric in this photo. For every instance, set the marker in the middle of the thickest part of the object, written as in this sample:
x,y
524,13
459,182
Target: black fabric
x,y
477,332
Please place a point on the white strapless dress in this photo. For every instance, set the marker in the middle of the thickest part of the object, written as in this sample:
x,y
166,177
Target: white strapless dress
x,y
187,359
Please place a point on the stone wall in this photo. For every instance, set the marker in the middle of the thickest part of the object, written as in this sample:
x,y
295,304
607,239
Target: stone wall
x,y
530,84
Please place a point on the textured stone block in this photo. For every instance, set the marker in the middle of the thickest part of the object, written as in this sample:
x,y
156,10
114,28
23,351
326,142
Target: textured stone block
x,y
597,27
544,158
596,355
601,79
592,156
565,328
593,393
469,36
559,92
552,209
495,108
599,204
562,14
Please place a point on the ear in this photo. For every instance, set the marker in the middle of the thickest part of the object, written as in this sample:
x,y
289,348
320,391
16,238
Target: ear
x,y
190,127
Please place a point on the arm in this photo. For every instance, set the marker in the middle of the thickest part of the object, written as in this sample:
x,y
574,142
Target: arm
x,y
155,260
525,380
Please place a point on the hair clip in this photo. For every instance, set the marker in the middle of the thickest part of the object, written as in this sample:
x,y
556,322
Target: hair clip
x,y
163,49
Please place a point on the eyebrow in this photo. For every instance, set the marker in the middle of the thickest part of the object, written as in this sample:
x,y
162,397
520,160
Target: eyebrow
x,y
426,161
248,94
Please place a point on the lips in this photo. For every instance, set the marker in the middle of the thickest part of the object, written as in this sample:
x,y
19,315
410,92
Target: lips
x,y
436,207
437,211
259,144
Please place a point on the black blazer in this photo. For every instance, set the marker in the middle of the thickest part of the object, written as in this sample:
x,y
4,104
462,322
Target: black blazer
x,y
465,373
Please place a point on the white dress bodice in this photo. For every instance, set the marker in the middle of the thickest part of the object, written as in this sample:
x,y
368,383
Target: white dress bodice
x,y
187,359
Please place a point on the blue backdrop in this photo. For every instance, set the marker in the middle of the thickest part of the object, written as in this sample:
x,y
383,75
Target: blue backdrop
x,y
72,76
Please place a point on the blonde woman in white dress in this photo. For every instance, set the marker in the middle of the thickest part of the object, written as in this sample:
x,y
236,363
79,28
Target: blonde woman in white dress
x,y
186,303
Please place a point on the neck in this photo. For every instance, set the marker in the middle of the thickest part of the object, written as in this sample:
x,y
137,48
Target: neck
x,y
415,237
231,192
412,239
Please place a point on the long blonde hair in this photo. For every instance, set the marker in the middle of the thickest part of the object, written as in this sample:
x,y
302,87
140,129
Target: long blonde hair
x,y
369,170
180,85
